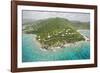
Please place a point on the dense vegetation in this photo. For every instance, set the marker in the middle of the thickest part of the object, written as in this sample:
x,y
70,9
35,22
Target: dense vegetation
x,y
54,32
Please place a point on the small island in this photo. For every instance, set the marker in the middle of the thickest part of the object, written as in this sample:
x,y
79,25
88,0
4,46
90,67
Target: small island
x,y
54,33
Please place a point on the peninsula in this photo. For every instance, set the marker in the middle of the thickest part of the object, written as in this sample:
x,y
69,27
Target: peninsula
x,y
54,32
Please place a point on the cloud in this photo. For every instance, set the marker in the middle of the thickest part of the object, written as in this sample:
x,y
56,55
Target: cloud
x,y
37,15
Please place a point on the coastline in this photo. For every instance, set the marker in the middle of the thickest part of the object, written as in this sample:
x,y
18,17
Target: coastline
x,y
34,39
86,38
56,48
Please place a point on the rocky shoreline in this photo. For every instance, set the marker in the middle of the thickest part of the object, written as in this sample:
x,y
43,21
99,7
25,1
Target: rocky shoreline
x,y
54,48
49,48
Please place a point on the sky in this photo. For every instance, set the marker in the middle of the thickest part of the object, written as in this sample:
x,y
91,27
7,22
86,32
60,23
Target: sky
x,y
38,15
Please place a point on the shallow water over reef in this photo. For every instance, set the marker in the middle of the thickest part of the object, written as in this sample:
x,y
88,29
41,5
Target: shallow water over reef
x,y
31,52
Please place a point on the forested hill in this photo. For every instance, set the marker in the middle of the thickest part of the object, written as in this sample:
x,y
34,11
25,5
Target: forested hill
x,y
54,32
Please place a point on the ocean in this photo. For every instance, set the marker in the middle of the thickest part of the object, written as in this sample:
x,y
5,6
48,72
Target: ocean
x,y
31,52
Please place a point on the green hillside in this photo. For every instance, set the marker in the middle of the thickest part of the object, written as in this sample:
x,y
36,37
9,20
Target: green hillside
x,y
80,25
54,32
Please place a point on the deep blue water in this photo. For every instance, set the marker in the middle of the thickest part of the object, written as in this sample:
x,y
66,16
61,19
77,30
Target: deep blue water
x,y
31,52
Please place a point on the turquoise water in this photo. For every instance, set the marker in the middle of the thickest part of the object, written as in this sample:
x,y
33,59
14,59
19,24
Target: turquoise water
x,y
31,52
